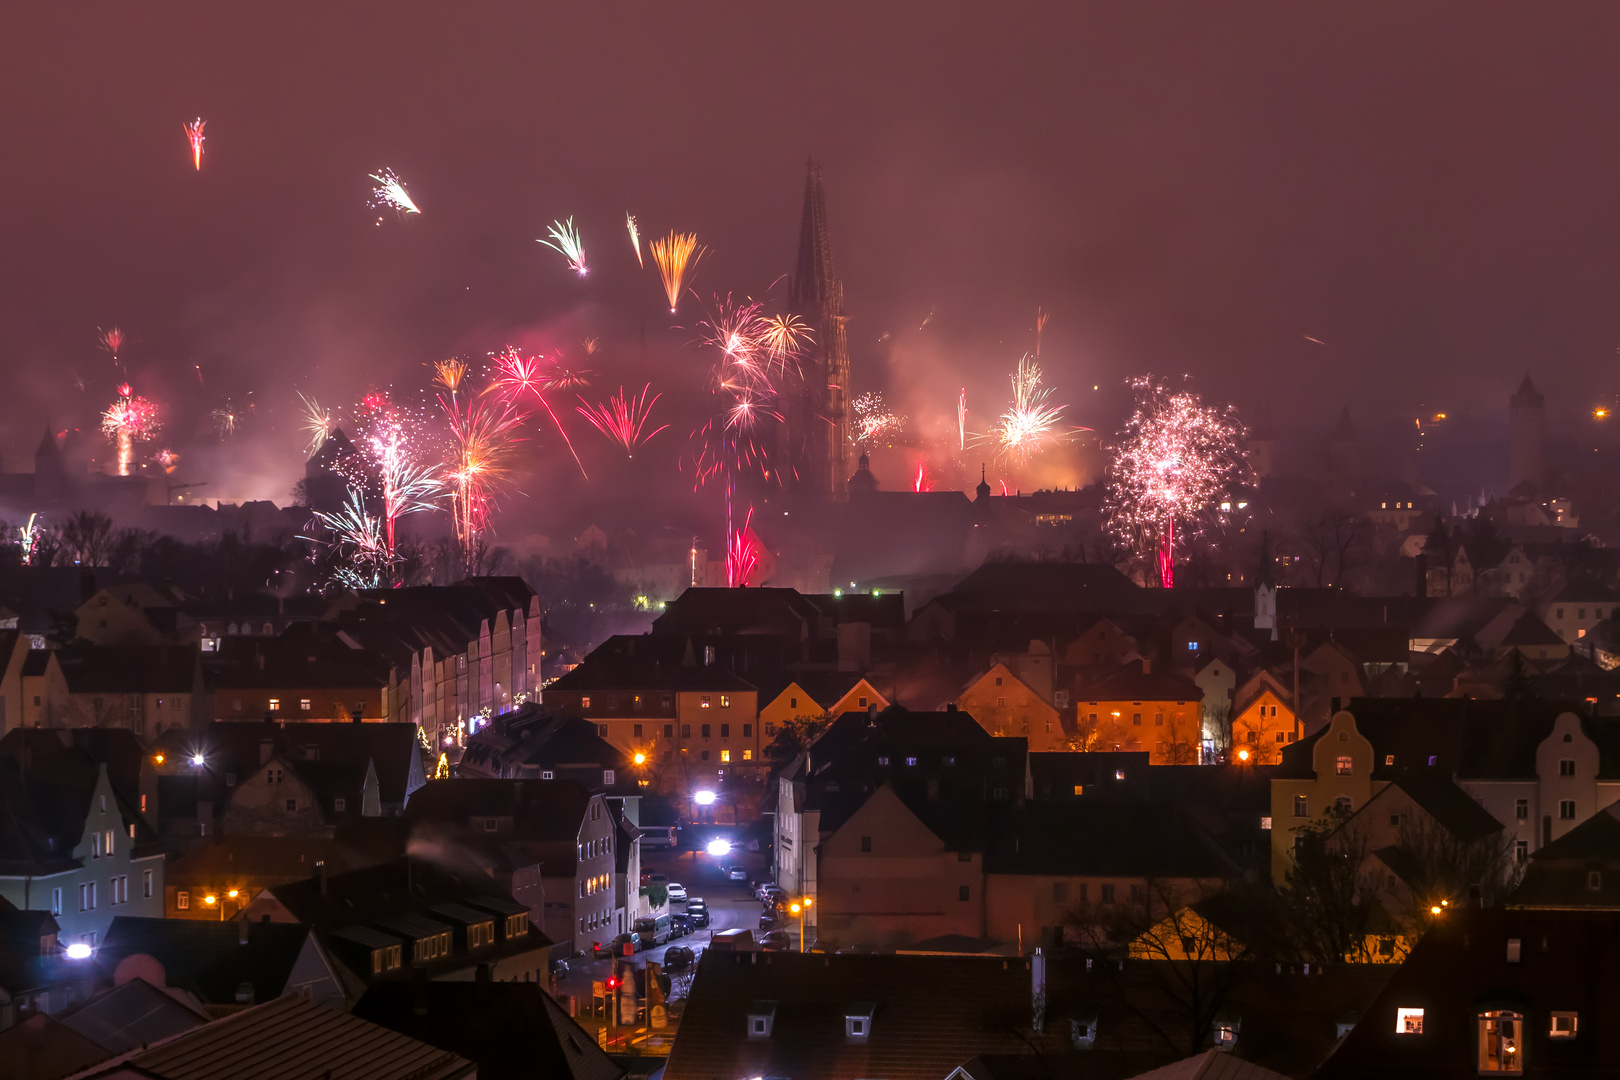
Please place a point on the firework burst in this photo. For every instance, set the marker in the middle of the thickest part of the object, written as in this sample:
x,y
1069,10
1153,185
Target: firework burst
x,y
1174,458
922,481
635,238
623,419
128,420
873,420
742,552
194,133
317,423
565,239
1030,425
483,432
390,193
388,464
677,256
355,551
224,420
28,539
518,376
112,340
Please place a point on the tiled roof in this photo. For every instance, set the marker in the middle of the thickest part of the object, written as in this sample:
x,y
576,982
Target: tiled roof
x,y
1134,684
130,1015
1084,837
293,1039
209,959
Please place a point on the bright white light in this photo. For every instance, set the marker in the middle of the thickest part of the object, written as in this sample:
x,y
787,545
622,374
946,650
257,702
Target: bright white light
x,y
196,759
719,847
704,798
78,951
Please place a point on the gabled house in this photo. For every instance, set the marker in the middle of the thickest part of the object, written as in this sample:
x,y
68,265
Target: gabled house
x,y
231,963
1263,720
1008,706
1142,709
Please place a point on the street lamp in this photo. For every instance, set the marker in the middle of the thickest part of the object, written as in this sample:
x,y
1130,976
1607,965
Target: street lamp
x,y
798,907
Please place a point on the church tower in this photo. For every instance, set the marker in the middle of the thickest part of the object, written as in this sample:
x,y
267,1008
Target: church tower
x,y
815,294
1527,437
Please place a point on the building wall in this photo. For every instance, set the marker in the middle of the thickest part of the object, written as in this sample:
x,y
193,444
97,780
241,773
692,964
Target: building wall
x,y
1264,727
1573,619
332,704
907,887
1340,739
1005,705
593,890
273,801
1040,906
81,912
1170,731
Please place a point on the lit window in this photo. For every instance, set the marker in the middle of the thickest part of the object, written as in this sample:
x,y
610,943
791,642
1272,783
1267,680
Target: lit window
x,y
340,804
725,701
725,755
585,701
1408,1021
1342,767
1500,1044
275,704
748,755
182,900
1564,1025
705,702
303,704
1192,646
911,761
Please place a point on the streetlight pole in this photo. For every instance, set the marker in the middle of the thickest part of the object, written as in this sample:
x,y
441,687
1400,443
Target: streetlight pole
x,y
798,908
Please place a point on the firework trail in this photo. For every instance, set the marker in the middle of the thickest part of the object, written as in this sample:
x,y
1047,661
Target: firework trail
x,y
1175,456
390,192
922,481
128,420
355,545
742,550
517,375
198,369
591,345
785,338
1030,425
387,464
112,340
635,238
27,538
317,423
873,420
676,255
565,239
483,431
1040,326
622,418
961,420
224,420
194,132
751,347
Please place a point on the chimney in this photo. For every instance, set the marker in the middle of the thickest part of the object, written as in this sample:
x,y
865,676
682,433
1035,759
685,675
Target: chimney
x,y
320,874
871,712
1037,991
1147,666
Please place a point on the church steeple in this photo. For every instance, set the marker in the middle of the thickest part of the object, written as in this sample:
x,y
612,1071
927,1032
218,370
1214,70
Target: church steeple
x,y
816,295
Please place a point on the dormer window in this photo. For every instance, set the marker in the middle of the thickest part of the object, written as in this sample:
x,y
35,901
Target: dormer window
x,y
1083,1032
858,1020
1408,1021
1564,1025
1226,1031
761,1019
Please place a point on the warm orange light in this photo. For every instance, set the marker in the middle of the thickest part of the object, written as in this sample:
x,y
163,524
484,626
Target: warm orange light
x,y
1600,412
1435,910
795,908
157,759
232,894
1243,755
210,899
640,758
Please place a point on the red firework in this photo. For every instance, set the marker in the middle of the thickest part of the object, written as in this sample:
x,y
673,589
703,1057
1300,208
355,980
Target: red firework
x,y
622,418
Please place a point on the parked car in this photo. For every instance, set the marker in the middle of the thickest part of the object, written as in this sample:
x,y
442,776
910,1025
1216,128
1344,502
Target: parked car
x,y
767,921
769,889
697,909
677,891
657,836
600,949
655,879
653,930
736,873
678,957
776,941
680,925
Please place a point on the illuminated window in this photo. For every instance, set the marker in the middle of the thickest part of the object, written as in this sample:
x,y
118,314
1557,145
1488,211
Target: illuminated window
x,y
1408,1021
1500,1045
725,755
725,701
182,900
275,704
1563,1025
705,702
585,701
748,755
1342,766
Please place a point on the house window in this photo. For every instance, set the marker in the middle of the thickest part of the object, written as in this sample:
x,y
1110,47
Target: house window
x,y
962,892
1566,767
1342,804
1408,1021
1300,807
705,702
866,843
770,729
686,731
748,755
547,774
602,730
340,804
1158,719
87,896
146,884
1192,646
725,701
998,680
1521,851
705,755
1136,719
911,761
95,845
725,731
725,755
1342,765
1501,1047
1566,810
303,704
56,899
636,731
748,731
292,805
669,731
863,703
275,704
1594,880
1563,1025
1060,892
1001,702
585,701
1108,894
705,732
182,899
1521,810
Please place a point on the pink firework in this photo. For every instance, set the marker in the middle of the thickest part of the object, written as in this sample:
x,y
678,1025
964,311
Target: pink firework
x,y
922,481
742,552
623,419
1172,461
112,340
518,377
128,420
194,132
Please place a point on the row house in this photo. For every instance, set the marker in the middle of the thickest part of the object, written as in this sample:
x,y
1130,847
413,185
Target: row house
x,y
1538,768
459,654
300,676
144,689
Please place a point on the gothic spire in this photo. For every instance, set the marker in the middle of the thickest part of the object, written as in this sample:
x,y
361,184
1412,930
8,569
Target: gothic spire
x,y
815,285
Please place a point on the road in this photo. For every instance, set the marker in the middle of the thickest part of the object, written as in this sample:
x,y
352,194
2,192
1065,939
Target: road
x,y
731,906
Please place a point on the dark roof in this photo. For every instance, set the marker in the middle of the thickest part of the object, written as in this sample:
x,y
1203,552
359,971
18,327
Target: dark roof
x,y
293,1039
1559,875
1086,838
1131,683
1530,630
131,669
209,959
131,1015
1462,966
541,809
40,1047
509,1030
235,746
1450,805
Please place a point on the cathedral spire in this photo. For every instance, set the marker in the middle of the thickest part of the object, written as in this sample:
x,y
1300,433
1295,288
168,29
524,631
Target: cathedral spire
x,y
816,287
821,421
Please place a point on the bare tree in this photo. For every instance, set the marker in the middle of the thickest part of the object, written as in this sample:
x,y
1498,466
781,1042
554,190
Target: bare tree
x,y
1330,900
1444,867
1334,543
88,537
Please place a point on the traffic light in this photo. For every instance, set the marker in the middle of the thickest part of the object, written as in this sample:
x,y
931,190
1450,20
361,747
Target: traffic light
x,y
612,982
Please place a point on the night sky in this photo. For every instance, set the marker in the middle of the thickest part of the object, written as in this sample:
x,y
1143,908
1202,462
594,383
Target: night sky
x,y
1429,190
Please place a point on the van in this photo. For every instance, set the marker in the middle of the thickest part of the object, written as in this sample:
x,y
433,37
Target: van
x,y
657,836
653,930
732,941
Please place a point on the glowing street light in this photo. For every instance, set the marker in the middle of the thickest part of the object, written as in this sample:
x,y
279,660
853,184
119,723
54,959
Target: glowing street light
x,y
704,798
798,907
197,759
719,848
78,951
639,758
